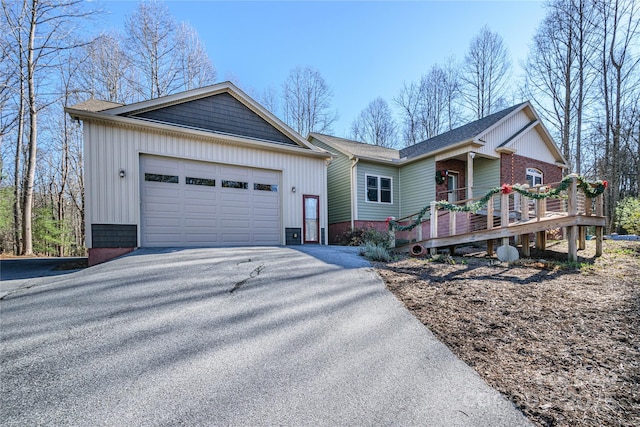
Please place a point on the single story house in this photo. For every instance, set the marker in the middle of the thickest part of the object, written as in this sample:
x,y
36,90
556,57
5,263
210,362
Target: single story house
x,y
367,184
205,167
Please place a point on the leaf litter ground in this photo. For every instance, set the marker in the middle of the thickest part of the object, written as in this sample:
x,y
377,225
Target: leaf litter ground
x,y
560,340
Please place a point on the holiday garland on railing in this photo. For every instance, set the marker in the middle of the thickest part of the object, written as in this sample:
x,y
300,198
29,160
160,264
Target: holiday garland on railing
x,y
590,189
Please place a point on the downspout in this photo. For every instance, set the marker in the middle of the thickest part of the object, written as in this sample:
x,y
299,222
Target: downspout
x,y
354,190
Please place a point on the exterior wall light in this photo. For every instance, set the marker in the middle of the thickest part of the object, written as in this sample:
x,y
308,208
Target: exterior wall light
x,y
293,189
122,173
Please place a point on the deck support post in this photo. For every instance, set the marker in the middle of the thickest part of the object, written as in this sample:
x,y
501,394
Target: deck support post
x,y
504,216
599,230
541,240
524,216
541,211
433,232
526,250
452,223
582,238
599,238
573,248
490,225
572,211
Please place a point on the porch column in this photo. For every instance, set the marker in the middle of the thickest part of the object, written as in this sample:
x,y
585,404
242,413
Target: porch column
x,y
470,156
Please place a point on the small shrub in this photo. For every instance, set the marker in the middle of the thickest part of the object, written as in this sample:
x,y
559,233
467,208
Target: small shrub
x,y
362,236
628,215
375,252
444,259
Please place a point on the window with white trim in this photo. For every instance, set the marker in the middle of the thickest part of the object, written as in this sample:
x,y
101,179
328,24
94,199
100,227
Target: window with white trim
x,y
379,189
534,177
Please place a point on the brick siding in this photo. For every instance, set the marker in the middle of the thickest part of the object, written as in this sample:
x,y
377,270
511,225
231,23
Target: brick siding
x,y
513,169
456,166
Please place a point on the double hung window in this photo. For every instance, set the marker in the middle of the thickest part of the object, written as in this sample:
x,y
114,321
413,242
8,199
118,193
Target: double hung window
x,y
379,189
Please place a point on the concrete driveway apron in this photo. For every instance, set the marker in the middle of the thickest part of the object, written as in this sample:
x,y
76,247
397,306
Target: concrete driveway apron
x,y
231,336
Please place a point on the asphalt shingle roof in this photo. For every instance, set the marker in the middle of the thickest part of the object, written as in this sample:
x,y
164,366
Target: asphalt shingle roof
x,y
95,105
463,133
358,149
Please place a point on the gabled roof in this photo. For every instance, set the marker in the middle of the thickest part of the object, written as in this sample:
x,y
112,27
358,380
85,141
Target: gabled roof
x,y
135,115
356,148
468,137
468,132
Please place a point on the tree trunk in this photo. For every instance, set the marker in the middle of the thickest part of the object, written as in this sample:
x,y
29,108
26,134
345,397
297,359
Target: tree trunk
x,y
17,196
566,131
581,66
29,180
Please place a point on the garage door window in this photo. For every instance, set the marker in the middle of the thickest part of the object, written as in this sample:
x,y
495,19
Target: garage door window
x,y
265,187
235,184
200,181
155,177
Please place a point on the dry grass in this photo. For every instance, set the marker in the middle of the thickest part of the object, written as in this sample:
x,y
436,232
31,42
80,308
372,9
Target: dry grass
x,y
562,341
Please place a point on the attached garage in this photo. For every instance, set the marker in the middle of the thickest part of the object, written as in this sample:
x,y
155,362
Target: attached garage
x,y
189,203
206,167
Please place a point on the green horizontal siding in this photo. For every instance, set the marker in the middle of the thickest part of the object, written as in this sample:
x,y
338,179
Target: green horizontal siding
x,y
338,185
486,175
418,186
368,211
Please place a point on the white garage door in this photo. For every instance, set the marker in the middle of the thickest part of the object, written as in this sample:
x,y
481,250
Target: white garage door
x,y
188,203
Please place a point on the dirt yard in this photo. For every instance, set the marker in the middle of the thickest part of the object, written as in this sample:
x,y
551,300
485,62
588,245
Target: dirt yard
x,y
560,340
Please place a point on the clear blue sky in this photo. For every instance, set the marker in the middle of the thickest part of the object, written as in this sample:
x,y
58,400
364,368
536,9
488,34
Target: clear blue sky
x,y
363,49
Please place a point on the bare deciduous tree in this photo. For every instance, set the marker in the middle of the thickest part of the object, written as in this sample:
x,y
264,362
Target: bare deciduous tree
x,y
153,46
108,71
558,73
430,107
486,73
168,56
440,92
196,68
375,125
550,73
41,29
619,25
409,102
307,101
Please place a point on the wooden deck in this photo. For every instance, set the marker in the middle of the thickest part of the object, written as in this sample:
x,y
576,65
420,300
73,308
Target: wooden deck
x,y
512,215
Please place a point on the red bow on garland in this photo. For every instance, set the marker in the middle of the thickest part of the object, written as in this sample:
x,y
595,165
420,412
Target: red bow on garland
x,y
507,189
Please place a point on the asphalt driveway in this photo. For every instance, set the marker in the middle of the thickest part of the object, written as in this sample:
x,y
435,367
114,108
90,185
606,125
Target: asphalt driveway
x,y
230,336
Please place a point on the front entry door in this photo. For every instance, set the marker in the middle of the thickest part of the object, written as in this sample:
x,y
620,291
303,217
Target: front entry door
x,y
452,187
311,218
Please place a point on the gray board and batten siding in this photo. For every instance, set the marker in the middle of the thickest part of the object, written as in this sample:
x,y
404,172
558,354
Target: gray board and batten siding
x,y
218,113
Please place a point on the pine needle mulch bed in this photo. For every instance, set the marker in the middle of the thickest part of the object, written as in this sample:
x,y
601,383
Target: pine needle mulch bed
x,y
561,341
